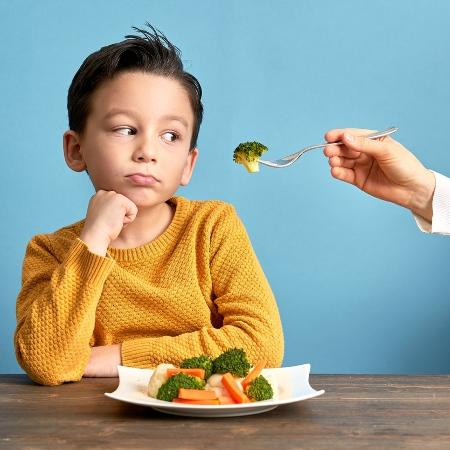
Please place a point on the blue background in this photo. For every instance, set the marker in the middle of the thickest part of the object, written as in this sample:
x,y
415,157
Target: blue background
x,y
359,287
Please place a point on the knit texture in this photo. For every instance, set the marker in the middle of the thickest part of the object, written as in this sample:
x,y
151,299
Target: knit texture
x,y
198,288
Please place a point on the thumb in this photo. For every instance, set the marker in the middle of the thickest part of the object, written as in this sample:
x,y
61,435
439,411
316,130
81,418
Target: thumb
x,y
131,211
362,144
131,214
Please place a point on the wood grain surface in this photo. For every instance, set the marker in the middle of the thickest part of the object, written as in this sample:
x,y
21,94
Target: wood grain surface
x,y
356,412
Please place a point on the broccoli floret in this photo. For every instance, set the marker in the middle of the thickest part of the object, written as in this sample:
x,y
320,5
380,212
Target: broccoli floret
x,y
259,389
248,153
199,362
234,361
169,390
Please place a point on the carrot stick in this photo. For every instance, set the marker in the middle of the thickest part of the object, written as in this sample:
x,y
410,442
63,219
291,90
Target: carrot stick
x,y
232,387
196,394
254,373
223,400
197,402
200,373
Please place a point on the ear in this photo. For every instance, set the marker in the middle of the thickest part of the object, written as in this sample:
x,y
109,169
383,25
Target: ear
x,y
72,154
189,167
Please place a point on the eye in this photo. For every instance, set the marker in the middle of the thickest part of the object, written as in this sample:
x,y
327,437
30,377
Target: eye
x,y
125,131
170,136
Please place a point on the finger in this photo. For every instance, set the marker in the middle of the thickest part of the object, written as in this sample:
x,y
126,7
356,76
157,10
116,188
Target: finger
x,y
130,209
340,150
343,174
338,161
372,147
131,213
336,134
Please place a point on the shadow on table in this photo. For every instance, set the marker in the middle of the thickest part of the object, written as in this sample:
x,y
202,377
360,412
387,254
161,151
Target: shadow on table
x,y
129,411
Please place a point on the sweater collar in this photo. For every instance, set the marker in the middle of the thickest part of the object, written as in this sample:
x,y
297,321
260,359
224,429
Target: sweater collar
x,y
162,242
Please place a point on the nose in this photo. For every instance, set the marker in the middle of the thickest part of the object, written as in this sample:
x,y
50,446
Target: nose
x,y
145,151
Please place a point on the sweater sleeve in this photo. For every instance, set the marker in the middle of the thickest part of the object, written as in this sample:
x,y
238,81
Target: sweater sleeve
x,y
243,298
440,223
56,310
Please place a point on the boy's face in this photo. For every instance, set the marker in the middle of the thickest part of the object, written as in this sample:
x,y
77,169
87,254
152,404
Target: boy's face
x,y
137,138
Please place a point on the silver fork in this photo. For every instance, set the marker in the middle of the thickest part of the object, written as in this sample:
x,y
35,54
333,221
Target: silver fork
x,y
287,160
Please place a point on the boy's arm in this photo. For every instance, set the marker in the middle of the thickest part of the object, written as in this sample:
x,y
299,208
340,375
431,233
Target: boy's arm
x,y
244,299
56,310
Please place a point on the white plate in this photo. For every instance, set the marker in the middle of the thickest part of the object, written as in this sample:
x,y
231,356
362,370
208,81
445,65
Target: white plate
x,y
293,386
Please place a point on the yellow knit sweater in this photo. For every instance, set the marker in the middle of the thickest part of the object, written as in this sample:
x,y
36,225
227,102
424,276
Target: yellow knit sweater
x,y
197,288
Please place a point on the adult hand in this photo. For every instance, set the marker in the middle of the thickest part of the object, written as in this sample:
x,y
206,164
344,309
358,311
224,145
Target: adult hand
x,y
383,168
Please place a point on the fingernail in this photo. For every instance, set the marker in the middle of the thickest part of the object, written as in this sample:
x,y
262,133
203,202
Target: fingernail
x,y
348,137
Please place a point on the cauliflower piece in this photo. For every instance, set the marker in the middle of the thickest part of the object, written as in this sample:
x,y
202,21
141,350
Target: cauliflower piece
x,y
158,378
215,380
239,383
219,391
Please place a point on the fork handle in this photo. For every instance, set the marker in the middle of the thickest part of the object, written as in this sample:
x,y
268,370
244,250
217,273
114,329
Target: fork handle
x,y
379,134
374,135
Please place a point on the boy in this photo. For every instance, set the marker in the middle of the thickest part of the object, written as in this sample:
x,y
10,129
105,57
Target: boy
x,y
146,277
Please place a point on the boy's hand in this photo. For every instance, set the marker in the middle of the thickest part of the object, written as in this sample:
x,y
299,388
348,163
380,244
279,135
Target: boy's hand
x,y
382,168
103,361
108,212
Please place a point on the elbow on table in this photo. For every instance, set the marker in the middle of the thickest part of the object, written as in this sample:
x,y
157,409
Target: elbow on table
x,y
48,375
44,378
46,370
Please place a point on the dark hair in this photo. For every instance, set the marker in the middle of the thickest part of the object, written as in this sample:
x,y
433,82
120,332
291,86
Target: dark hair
x,y
152,52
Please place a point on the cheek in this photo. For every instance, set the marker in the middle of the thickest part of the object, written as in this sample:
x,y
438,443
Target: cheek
x,y
100,162
181,167
174,160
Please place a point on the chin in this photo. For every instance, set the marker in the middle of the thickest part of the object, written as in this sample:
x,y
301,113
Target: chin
x,y
146,199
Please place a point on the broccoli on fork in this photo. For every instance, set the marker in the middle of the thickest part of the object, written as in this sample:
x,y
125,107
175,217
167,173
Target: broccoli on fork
x,y
248,153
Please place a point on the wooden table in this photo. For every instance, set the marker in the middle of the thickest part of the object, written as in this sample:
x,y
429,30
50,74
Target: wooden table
x,y
356,412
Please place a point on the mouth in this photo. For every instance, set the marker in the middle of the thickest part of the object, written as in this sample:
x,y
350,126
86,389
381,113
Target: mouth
x,y
141,179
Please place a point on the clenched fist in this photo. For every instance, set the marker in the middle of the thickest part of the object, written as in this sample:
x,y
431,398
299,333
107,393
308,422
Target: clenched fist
x,y
108,212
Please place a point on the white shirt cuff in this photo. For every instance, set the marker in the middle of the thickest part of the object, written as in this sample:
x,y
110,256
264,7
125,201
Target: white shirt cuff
x,y
441,208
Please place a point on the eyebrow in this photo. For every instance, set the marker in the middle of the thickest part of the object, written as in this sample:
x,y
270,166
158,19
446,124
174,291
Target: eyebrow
x,y
128,112
180,119
116,111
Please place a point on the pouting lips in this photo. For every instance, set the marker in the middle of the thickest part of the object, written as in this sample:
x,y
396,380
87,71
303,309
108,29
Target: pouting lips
x,y
142,179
